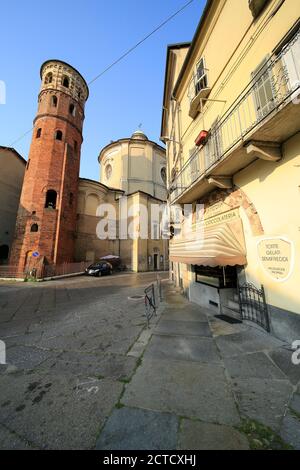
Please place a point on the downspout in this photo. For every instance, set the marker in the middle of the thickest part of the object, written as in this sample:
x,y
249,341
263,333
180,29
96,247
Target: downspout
x,y
59,215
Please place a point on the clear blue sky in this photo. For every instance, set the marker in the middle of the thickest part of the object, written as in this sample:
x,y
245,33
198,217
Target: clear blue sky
x,y
90,35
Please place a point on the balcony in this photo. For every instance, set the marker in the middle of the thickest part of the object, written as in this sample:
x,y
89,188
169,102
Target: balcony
x,y
266,114
198,89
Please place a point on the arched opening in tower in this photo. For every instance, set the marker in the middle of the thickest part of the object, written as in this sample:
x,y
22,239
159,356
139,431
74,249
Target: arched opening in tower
x,y
51,199
4,251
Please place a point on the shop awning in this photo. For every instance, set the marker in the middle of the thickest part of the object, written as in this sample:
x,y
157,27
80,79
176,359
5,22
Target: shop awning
x,y
221,245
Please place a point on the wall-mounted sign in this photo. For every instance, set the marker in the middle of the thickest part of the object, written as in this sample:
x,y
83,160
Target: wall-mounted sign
x,y
276,256
225,217
35,254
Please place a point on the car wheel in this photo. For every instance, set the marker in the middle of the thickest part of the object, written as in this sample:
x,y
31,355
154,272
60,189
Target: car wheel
x,y
99,274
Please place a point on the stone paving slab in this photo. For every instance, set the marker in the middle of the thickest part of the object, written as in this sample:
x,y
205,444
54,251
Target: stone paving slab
x,y
283,359
25,357
184,328
221,328
187,315
195,435
135,429
256,365
290,431
10,441
248,341
14,328
184,388
264,400
57,412
80,364
295,403
29,339
61,343
184,348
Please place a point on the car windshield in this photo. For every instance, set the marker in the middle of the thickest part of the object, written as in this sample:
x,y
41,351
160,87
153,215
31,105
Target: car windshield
x,y
96,266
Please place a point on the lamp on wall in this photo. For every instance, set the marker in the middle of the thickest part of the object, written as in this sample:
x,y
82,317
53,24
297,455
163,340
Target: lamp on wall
x,y
167,139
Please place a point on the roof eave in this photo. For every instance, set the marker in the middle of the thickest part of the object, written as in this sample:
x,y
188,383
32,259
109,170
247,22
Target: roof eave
x,y
206,10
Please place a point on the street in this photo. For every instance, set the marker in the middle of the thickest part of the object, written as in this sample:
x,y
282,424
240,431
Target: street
x,y
84,372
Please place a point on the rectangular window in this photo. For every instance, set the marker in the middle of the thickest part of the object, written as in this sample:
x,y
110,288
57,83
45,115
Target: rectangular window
x,y
155,231
263,89
219,277
201,77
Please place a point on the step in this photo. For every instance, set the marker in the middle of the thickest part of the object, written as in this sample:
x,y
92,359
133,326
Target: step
x,y
233,305
230,312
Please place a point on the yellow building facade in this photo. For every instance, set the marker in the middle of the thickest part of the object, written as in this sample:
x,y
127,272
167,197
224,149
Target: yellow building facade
x,y
13,167
231,122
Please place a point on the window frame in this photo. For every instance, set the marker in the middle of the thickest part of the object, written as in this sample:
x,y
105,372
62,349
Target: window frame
x,y
54,101
57,133
48,200
66,79
204,76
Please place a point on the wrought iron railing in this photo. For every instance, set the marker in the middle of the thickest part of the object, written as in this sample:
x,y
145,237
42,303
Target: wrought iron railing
x,y
277,80
150,303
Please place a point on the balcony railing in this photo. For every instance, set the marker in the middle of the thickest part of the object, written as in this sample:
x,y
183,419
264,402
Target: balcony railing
x,y
277,81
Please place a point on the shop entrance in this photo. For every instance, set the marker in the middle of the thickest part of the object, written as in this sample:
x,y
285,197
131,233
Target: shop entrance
x,y
225,281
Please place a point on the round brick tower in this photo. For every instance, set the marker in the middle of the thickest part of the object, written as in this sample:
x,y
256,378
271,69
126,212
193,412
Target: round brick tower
x,y
46,221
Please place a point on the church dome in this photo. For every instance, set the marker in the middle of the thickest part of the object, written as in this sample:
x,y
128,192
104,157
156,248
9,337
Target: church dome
x,y
139,135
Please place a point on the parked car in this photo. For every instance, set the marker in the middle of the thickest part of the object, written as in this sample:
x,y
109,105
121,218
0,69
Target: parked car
x,y
99,269
115,261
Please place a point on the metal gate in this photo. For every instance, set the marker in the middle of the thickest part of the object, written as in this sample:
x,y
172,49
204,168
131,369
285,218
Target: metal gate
x,y
253,306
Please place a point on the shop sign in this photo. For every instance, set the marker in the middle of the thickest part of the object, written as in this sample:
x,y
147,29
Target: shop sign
x,y
276,256
222,218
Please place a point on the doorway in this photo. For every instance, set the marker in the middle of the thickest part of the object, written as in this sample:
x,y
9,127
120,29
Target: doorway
x,y
4,252
155,262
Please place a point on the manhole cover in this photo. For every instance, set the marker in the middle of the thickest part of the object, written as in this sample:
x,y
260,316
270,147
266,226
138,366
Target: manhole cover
x,y
136,297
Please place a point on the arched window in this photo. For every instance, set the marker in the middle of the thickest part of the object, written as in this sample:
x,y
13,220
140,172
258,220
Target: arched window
x,y
163,174
4,250
66,82
34,228
79,93
72,109
108,171
51,198
58,135
48,78
38,133
54,101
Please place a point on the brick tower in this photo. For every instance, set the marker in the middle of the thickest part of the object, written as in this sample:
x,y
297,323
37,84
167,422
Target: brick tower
x,y
46,221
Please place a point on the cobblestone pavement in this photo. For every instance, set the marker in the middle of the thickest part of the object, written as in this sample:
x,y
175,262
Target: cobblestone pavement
x,y
84,372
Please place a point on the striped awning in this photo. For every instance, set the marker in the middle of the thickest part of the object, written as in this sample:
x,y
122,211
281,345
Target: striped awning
x,y
220,245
